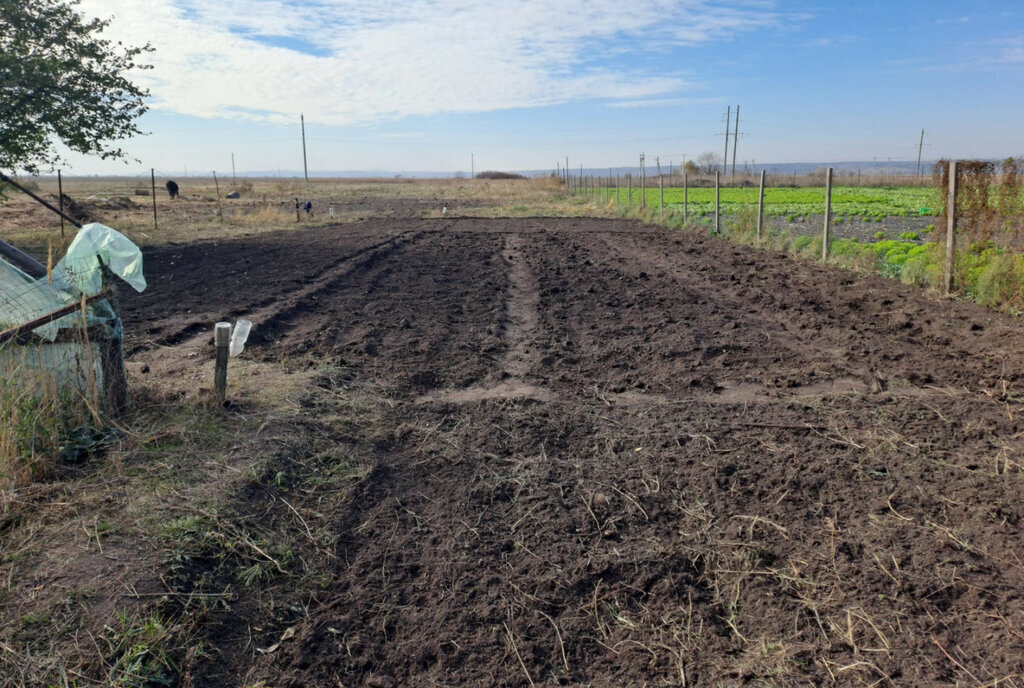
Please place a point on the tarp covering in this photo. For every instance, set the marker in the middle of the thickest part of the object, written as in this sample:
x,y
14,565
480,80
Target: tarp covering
x,y
23,299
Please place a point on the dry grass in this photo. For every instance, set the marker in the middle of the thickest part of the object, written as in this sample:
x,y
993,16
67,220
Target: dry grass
x,y
160,498
269,205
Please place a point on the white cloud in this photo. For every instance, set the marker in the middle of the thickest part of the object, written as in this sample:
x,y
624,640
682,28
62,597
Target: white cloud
x,y
665,102
1007,51
370,60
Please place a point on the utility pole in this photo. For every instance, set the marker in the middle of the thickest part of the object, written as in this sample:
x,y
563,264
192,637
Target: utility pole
x,y
233,176
735,140
920,145
728,117
305,166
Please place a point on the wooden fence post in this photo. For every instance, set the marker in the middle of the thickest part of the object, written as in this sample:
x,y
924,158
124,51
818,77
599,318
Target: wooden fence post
x,y
828,214
629,198
661,191
60,201
951,227
760,206
220,212
222,340
718,203
643,185
152,183
686,199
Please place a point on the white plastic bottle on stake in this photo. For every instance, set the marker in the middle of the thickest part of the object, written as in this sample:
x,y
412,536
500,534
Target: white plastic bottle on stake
x,y
238,337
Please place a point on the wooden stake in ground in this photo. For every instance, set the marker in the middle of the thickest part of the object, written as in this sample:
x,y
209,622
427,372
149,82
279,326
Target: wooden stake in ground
x,y
718,203
222,340
220,215
661,191
686,199
643,183
760,206
60,202
152,181
951,228
828,214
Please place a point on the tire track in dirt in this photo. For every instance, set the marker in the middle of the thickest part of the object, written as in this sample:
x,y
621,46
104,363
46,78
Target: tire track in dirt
x,y
522,303
522,299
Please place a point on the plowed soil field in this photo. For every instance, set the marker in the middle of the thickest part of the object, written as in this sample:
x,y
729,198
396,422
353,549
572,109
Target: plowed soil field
x,y
595,452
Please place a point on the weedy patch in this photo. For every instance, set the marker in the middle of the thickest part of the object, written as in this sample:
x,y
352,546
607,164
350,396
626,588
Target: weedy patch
x,y
42,424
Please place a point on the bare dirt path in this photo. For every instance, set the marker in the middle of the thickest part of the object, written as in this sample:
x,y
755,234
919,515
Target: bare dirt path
x,y
608,454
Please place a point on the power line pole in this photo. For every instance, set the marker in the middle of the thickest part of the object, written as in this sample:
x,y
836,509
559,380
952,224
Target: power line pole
x,y
728,117
305,166
233,166
920,145
735,140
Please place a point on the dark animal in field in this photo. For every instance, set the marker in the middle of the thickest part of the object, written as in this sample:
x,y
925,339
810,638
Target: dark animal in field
x,y
172,188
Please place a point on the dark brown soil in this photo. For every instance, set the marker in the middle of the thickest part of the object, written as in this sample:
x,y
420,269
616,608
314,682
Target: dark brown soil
x,y
616,455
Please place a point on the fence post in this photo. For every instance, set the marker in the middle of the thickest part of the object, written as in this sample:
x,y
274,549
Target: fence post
x,y
220,213
222,340
60,201
951,227
760,206
629,198
828,214
686,199
643,184
718,204
661,191
152,183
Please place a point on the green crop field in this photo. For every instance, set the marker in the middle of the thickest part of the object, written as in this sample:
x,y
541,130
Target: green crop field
x,y
781,202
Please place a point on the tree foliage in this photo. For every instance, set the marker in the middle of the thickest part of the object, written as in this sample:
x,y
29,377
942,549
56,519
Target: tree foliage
x,y
60,81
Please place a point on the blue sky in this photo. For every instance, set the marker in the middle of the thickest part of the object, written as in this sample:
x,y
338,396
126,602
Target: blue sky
x,y
423,85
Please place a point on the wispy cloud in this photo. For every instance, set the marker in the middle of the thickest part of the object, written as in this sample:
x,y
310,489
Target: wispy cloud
x,y
1006,51
358,61
665,102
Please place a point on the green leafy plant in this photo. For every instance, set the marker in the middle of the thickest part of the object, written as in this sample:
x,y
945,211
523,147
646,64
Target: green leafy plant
x,y
62,82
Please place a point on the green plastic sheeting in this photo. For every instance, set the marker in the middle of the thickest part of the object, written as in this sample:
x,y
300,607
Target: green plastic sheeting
x,y
80,272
